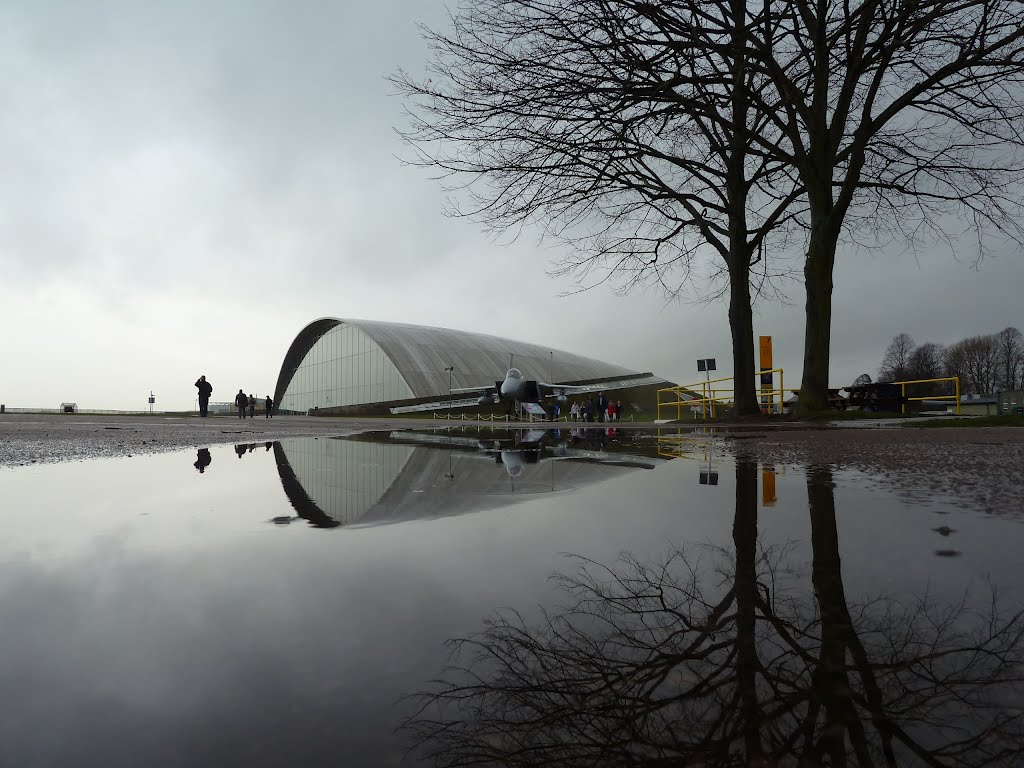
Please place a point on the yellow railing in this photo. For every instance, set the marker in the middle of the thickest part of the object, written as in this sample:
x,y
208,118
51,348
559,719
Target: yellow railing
x,y
711,396
688,444
905,399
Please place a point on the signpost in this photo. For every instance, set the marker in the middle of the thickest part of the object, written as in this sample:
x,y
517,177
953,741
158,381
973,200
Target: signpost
x,y
707,365
534,409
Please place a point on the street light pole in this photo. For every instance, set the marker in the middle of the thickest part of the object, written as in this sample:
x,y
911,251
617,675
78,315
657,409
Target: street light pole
x,y
450,368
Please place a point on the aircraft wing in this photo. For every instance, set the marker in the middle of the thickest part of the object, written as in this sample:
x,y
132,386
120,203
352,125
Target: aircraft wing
x,y
481,390
554,390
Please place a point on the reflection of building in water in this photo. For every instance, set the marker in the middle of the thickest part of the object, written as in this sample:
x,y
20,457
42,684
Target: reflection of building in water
x,y
386,478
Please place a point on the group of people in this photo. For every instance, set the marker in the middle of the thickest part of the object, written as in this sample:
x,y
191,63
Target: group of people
x,y
244,403
598,408
248,402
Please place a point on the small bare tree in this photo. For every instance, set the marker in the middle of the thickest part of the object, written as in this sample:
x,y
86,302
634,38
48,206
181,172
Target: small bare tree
x,y
1010,349
976,361
896,363
927,362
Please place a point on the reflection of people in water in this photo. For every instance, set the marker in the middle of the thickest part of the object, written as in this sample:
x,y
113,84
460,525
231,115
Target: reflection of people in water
x,y
734,659
240,450
203,459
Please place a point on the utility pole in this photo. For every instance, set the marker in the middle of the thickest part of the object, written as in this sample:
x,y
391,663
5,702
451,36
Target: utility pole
x,y
450,369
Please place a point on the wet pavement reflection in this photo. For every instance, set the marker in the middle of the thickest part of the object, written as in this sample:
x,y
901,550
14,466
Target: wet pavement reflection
x,y
275,603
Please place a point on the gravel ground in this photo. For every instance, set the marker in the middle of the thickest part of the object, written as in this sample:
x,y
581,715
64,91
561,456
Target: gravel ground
x,y
33,438
984,467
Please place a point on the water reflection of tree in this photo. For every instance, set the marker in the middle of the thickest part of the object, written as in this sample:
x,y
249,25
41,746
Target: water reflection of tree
x,y
715,658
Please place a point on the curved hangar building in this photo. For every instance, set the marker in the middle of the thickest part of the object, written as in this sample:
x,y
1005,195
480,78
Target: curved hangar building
x,y
340,366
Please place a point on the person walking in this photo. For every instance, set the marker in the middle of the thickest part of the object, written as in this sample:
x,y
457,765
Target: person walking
x,y
242,402
270,408
205,390
252,405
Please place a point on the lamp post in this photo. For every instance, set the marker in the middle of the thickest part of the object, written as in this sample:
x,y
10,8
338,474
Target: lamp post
x,y
450,369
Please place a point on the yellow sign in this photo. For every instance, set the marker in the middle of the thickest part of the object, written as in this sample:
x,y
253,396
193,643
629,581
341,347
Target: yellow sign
x,y
766,352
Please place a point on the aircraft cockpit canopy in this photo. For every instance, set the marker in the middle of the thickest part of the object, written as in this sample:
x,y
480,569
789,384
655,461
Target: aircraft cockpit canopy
x,y
514,373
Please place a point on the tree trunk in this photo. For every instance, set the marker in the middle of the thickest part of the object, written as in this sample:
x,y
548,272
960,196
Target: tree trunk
x,y
744,535
741,321
821,256
741,325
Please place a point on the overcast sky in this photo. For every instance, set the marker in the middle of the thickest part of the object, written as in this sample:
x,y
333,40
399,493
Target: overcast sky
x,y
185,185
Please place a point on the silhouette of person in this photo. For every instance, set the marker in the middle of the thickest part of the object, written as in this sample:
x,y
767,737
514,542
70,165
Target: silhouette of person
x,y
252,406
240,450
203,458
270,408
242,402
205,390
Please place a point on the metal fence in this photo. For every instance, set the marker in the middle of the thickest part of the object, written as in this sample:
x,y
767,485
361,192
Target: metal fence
x,y
705,397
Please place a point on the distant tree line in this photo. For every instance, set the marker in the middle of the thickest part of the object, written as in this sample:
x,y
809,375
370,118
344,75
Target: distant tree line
x,y
985,364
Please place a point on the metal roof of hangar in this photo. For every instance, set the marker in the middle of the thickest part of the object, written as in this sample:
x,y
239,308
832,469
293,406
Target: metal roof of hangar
x,y
421,354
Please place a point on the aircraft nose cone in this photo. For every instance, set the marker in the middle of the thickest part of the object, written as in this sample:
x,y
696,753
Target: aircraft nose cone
x,y
509,388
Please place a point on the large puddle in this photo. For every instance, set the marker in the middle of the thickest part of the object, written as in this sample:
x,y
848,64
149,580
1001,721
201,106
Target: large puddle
x,y
289,604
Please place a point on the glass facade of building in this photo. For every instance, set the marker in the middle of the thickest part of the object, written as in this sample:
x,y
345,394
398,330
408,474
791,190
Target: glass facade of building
x,y
344,367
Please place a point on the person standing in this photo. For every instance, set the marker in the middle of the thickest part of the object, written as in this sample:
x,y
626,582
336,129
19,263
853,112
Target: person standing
x,y
602,406
270,408
205,390
242,402
252,405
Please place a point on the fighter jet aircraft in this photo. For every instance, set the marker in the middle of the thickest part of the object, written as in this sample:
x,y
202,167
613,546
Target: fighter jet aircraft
x,y
516,389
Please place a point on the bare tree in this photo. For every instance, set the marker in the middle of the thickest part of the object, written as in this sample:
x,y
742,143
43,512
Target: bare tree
x,y
902,121
626,129
976,361
896,363
1010,349
714,658
646,133
927,361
